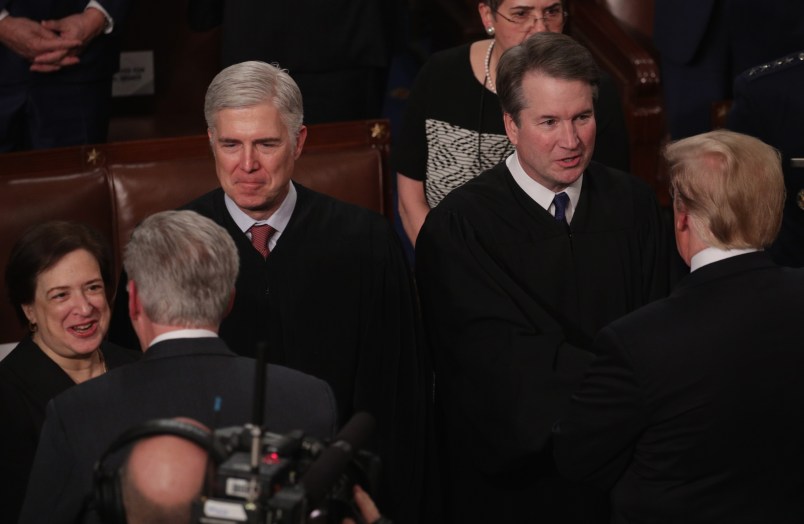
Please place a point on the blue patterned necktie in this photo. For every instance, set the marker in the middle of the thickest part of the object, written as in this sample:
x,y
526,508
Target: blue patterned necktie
x,y
561,201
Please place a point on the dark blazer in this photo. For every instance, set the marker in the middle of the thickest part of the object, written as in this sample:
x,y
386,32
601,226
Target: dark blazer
x,y
679,27
687,31
692,410
705,44
181,377
303,36
338,51
768,105
28,380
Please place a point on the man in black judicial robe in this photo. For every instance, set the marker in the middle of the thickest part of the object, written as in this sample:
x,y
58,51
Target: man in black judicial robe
x,y
512,296
334,296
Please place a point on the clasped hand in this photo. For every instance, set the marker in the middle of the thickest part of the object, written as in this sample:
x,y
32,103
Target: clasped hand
x,y
51,44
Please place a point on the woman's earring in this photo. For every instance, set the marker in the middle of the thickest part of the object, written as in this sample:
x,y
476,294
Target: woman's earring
x,y
32,327
490,30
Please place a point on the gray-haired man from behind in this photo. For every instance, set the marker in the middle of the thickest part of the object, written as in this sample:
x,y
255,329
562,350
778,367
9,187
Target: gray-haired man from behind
x,y
182,268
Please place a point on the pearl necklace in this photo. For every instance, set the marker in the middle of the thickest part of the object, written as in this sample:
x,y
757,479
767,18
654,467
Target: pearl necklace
x,y
488,81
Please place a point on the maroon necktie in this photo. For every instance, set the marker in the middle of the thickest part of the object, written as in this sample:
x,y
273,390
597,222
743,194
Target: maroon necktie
x,y
260,234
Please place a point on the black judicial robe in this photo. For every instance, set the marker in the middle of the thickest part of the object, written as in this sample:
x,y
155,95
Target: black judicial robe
x,y
510,300
28,380
335,300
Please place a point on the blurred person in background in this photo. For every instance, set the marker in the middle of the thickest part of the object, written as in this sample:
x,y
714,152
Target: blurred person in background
x,y
57,60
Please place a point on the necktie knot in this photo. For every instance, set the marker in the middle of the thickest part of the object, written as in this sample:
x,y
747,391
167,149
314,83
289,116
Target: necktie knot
x,y
561,201
260,234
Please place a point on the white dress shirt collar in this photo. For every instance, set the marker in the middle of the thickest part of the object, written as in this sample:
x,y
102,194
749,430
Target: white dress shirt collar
x,y
540,194
713,254
278,220
184,333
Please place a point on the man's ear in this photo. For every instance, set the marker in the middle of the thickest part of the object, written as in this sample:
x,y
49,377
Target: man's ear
x,y
300,139
511,129
681,219
134,304
231,304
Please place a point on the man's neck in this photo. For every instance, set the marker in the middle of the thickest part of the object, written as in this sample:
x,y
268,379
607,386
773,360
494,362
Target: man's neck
x,y
710,255
162,332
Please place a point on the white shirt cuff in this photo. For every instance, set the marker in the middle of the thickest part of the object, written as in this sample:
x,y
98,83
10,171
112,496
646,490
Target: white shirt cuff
x,y
109,21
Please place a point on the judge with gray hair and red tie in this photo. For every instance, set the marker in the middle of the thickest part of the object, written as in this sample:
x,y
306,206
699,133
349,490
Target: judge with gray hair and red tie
x,y
323,283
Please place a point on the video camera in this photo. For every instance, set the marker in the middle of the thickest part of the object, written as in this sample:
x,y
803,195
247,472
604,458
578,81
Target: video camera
x,y
289,479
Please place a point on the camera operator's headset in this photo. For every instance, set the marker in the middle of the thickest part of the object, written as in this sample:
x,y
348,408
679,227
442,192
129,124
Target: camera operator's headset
x,y
108,497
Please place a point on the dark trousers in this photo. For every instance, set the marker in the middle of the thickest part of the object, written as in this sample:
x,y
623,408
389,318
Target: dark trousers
x,y
40,116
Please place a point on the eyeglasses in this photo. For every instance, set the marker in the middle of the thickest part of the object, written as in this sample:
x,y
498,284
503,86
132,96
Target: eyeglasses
x,y
551,16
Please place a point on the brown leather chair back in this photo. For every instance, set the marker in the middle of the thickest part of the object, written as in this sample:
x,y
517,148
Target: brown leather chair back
x,y
141,190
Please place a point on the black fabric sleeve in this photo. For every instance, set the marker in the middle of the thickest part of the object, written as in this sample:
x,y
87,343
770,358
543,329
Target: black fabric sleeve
x,y
595,440
503,365
392,377
409,154
203,15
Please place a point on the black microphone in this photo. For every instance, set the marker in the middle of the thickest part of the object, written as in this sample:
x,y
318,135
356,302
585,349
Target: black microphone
x,y
333,461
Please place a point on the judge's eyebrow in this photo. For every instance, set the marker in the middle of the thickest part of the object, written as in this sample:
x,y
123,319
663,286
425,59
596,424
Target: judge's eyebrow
x,y
264,141
585,112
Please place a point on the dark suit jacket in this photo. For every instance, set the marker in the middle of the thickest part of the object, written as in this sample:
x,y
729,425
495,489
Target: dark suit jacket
x,y
692,410
179,377
704,44
679,27
28,380
768,105
303,36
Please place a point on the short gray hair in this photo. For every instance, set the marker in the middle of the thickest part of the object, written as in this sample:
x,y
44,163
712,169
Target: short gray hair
x,y
248,84
185,267
553,54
